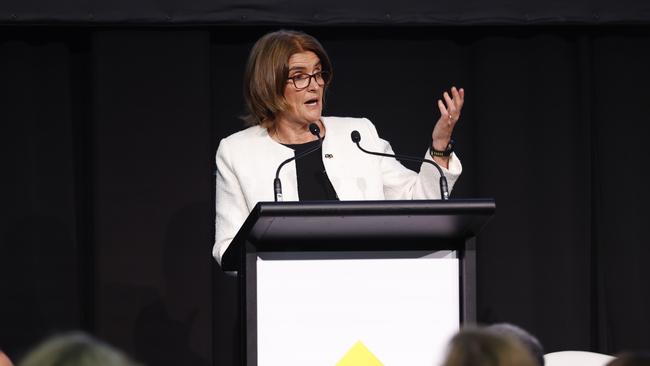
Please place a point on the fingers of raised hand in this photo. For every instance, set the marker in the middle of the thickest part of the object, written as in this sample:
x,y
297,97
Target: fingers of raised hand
x,y
451,105
458,97
454,102
444,113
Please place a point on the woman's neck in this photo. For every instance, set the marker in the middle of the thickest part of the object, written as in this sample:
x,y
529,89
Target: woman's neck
x,y
293,133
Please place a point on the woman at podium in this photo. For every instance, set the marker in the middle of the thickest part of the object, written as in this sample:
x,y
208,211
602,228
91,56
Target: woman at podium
x,y
285,81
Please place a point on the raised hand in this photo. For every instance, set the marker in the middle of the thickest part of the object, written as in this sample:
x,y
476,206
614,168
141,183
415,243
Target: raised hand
x,y
449,114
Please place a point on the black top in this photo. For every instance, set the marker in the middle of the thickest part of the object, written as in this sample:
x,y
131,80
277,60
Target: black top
x,y
313,182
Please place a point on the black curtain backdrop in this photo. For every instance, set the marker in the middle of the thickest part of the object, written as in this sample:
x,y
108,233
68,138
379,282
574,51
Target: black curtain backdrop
x,y
331,12
108,141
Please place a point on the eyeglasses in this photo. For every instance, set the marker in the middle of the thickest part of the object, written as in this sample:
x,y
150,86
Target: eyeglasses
x,y
302,81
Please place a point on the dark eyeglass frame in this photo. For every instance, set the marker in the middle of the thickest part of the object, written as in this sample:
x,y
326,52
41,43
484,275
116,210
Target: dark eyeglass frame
x,y
324,74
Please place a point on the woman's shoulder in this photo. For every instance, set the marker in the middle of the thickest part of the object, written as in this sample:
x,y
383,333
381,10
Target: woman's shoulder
x,y
240,141
247,134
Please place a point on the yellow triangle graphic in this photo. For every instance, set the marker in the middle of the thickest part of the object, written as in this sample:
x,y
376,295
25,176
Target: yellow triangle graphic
x,y
359,355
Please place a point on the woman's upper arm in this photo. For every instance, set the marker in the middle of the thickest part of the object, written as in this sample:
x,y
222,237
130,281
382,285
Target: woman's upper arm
x,y
230,203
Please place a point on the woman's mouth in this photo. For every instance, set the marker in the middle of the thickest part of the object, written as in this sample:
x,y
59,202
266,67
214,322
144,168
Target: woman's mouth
x,y
312,102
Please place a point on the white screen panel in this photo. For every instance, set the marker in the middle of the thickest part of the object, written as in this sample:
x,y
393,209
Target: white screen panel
x,y
313,311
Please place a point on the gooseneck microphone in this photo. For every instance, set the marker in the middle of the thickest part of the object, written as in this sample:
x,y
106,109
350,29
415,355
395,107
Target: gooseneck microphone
x,y
444,189
277,185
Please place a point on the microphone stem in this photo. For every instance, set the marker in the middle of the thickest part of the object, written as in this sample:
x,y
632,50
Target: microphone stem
x,y
277,186
444,188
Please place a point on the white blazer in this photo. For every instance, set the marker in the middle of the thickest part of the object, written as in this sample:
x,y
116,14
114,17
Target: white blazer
x,y
247,161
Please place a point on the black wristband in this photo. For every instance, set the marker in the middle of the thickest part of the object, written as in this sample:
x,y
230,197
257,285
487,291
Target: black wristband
x,y
447,152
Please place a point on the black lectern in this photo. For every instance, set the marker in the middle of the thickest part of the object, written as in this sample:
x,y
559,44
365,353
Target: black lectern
x,y
333,274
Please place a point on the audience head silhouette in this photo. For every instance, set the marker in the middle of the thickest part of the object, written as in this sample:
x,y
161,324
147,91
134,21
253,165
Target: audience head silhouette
x,y
480,347
528,340
75,349
631,359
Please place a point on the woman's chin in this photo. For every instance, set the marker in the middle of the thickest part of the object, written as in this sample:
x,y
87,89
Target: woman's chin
x,y
312,113
312,117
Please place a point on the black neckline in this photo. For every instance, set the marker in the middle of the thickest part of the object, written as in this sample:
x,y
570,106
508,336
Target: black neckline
x,y
302,146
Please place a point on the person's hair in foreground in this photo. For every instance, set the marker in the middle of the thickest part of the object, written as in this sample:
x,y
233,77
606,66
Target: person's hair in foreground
x,y
267,73
631,359
75,349
528,340
479,347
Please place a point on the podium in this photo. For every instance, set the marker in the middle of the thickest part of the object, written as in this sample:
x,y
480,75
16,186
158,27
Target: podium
x,y
323,283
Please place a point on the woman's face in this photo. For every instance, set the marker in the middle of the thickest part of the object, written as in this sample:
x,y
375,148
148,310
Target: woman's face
x,y
306,105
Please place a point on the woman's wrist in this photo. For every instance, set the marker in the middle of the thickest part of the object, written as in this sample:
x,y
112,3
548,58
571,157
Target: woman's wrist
x,y
439,144
437,149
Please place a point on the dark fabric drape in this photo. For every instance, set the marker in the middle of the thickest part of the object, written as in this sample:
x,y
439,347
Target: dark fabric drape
x,y
619,187
151,144
108,146
42,285
332,12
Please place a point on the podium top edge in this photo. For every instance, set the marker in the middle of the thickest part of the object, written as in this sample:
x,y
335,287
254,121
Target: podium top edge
x,y
472,212
412,207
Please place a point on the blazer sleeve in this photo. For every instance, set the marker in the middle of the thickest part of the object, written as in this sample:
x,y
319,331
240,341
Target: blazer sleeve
x,y
231,208
401,183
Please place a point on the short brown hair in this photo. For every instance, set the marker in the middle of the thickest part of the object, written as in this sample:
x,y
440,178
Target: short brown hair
x,y
267,71
474,346
631,359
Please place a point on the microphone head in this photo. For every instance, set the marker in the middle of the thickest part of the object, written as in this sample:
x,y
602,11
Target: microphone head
x,y
356,136
313,128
